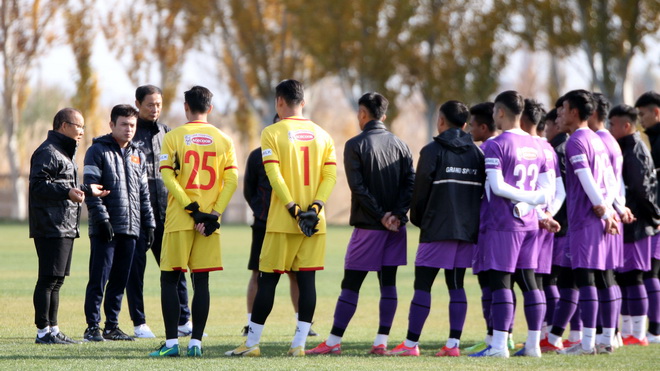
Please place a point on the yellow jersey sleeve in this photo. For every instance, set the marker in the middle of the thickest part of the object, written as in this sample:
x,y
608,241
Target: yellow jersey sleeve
x,y
229,180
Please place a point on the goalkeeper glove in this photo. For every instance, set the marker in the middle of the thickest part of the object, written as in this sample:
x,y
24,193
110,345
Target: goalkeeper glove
x,y
210,227
308,220
105,231
198,216
295,210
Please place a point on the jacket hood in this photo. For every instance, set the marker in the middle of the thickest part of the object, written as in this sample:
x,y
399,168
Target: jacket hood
x,y
629,139
109,140
455,139
69,145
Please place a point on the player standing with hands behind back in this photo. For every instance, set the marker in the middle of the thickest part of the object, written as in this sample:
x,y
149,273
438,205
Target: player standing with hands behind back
x,y
198,164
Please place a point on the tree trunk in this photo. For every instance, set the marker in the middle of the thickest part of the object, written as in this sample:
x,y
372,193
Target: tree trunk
x,y
19,200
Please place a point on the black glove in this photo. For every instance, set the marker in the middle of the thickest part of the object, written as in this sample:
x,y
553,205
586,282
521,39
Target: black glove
x,y
308,220
295,210
150,237
105,230
210,227
198,216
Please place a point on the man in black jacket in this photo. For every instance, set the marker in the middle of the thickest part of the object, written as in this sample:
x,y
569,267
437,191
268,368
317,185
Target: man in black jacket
x,y
380,175
148,138
641,187
449,184
55,198
648,105
116,221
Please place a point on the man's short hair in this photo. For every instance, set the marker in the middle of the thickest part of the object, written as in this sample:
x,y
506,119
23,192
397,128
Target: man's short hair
x,y
292,91
513,101
650,98
551,116
533,111
122,110
455,112
64,115
602,106
559,102
198,99
145,90
581,100
375,103
483,114
624,110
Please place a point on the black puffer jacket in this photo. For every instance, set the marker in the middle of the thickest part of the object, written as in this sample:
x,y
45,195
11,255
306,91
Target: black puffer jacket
x,y
449,183
653,134
256,187
148,138
53,172
641,188
127,206
380,175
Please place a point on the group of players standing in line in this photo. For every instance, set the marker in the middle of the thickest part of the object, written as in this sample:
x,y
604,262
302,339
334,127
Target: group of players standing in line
x,y
501,209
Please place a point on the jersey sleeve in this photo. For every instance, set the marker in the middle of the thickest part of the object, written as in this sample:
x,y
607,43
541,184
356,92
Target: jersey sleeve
x,y
229,180
168,163
576,154
493,157
269,154
328,172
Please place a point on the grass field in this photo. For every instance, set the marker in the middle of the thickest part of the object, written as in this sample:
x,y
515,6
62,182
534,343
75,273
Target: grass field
x,y
18,271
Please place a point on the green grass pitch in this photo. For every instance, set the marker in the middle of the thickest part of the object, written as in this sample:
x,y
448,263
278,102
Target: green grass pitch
x,y
18,272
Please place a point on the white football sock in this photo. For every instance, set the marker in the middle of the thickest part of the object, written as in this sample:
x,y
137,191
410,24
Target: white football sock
x,y
488,339
332,340
41,332
607,337
194,342
302,330
452,343
533,339
249,316
171,342
254,334
588,338
55,330
575,335
638,326
626,326
410,344
499,339
554,339
381,340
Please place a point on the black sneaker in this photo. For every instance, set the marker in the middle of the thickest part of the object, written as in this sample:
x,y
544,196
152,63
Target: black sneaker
x,y
312,332
60,335
93,333
245,331
116,334
49,338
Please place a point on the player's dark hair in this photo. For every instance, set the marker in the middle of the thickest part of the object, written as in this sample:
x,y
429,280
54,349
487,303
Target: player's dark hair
x,y
455,112
559,102
513,101
533,111
602,106
375,103
650,98
551,116
122,110
624,110
483,114
198,99
64,115
581,100
145,90
291,91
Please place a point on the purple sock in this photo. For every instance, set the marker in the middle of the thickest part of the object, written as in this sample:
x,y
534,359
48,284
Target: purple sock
x,y
420,306
502,309
534,309
512,320
457,312
576,320
344,311
486,300
387,307
638,302
607,307
565,309
653,292
588,306
551,300
617,301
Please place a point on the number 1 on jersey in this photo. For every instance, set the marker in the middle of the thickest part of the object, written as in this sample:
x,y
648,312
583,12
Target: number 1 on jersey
x,y
305,151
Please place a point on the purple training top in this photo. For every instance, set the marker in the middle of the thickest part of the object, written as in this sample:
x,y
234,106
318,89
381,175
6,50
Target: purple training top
x,y
520,158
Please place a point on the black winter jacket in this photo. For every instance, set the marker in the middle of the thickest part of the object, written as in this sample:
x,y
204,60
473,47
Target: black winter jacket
x,y
559,144
53,172
256,187
653,134
380,175
148,138
127,206
641,188
449,184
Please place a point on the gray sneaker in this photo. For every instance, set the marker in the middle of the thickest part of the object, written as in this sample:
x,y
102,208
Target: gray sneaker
x,y
604,349
60,335
49,338
577,350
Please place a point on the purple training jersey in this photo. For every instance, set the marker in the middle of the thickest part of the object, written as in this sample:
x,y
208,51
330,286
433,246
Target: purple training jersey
x,y
584,150
616,160
520,158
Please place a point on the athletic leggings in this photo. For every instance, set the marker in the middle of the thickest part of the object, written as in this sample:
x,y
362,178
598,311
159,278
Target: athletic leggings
x,y
46,300
425,276
353,279
171,307
263,301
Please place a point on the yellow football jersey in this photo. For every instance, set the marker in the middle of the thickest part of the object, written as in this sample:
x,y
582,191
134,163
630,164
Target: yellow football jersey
x,y
198,163
301,165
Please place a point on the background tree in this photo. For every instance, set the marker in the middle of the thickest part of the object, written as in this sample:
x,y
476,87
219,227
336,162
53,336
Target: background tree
x,y
24,36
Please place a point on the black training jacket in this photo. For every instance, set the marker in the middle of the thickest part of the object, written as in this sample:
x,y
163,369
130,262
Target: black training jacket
x,y
148,138
53,172
653,134
127,206
380,174
256,187
641,188
449,184
559,144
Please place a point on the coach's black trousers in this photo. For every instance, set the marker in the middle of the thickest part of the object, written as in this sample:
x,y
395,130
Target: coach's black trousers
x,y
109,268
135,285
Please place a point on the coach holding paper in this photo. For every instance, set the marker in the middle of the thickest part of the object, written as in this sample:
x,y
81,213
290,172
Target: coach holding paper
x,y
55,198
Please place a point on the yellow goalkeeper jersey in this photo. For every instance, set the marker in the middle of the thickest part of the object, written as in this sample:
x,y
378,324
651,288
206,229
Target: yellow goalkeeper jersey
x,y
198,163
300,161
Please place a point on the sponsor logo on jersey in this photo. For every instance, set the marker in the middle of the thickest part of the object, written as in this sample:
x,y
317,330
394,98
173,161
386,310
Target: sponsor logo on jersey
x,y
578,158
266,152
164,157
199,139
527,153
301,135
